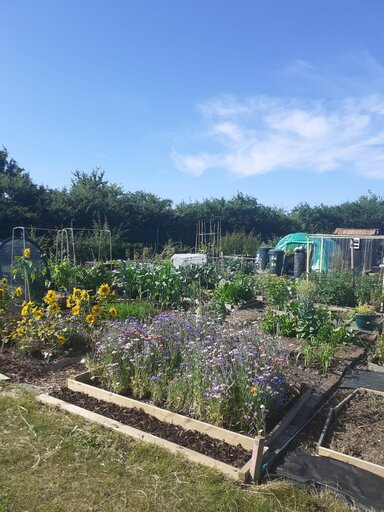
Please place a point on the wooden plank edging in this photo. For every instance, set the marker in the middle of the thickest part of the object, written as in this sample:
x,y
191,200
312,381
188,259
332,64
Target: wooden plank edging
x,y
354,461
190,455
81,385
375,367
377,469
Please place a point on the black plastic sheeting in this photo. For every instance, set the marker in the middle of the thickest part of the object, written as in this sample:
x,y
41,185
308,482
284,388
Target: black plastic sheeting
x,y
357,485
363,379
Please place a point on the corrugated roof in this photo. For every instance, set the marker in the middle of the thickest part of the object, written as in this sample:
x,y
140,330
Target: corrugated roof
x,y
352,231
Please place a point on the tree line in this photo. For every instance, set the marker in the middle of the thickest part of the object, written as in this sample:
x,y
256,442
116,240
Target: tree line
x,y
144,219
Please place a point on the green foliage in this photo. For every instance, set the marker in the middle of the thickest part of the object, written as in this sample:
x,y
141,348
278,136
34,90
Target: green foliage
x,y
62,276
239,242
335,288
93,276
368,289
237,292
277,290
379,350
140,310
365,309
155,282
281,322
315,326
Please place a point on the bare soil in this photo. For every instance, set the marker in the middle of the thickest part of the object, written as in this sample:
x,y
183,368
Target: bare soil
x,y
236,456
359,428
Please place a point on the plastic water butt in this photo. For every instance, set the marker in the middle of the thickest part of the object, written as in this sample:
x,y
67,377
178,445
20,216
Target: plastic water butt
x,y
262,258
276,260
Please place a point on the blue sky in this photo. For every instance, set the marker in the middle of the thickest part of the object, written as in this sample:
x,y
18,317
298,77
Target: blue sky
x,y
192,99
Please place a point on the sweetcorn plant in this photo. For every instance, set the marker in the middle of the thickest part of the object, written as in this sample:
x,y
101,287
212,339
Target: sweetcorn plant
x,y
194,366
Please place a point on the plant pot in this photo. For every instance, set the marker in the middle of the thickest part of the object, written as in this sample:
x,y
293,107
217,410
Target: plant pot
x,y
365,322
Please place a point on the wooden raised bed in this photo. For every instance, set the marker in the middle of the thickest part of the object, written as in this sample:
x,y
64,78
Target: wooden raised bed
x,y
250,470
348,459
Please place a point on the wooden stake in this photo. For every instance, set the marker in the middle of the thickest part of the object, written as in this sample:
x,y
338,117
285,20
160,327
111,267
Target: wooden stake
x,y
257,456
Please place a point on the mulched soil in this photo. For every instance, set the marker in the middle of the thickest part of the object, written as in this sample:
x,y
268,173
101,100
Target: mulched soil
x,y
234,455
359,428
43,374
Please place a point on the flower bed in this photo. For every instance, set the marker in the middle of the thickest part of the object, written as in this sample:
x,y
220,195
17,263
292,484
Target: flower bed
x,y
196,367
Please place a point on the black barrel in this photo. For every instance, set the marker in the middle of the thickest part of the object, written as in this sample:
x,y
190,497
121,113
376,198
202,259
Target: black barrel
x,y
262,258
299,263
276,260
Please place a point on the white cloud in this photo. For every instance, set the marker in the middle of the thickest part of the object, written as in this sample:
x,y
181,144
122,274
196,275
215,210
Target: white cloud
x,y
261,134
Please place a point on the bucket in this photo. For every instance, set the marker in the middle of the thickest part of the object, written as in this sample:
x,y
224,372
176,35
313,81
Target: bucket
x,y
276,260
262,258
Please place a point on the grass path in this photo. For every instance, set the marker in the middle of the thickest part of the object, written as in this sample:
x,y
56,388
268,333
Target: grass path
x,y
51,461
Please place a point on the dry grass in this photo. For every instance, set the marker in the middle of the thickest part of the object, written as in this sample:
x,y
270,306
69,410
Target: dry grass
x,y
52,461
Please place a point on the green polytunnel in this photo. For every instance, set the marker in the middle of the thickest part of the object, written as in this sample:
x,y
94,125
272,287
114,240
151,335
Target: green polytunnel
x,y
321,248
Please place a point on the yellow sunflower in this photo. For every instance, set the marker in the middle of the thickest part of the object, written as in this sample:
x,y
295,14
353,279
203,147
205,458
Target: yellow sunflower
x,y
69,302
18,292
37,312
76,294
60,339
27,253
104,290
54,307
50,297
85,296
96,310
90,319
112,312
76,310
27,306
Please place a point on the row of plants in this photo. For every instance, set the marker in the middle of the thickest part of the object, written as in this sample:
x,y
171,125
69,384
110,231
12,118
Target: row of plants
x,y
195,366
320,330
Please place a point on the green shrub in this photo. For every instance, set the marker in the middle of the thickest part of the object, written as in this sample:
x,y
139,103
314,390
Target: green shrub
x,y
335,288
277,290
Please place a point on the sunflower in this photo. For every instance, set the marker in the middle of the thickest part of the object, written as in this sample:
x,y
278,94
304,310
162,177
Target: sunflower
x,y
27,253
76,310
104,290
50,297
54,307
76,294
96,310
85,296
18,292
37,312
69,302
90,319
27,306
60,339
253,390
113,312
